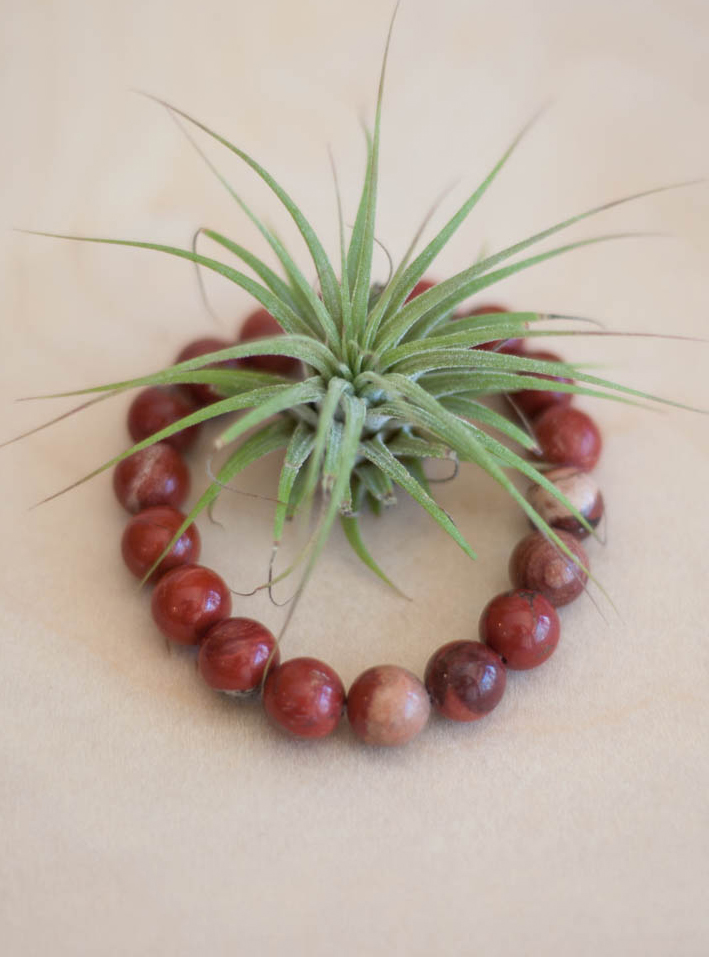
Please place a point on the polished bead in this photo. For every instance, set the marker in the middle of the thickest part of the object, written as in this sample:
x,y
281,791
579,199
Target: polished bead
x,y
203,393
156,408
147,535
304,696
465,680
187,601
507,346
567,436
535,401
234,653
156,475
260,324
538,565
522,627
580,489
387,705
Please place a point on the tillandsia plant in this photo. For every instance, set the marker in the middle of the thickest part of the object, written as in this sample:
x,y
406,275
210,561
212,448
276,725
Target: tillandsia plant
x,y
391,375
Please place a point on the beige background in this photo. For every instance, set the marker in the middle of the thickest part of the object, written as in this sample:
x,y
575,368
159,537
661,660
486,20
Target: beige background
x,y
142,814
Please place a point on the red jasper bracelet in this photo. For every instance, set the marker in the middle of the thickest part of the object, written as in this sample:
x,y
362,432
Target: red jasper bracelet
x,y
386,705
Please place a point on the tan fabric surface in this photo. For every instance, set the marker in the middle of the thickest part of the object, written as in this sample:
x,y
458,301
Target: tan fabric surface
x,y
142,814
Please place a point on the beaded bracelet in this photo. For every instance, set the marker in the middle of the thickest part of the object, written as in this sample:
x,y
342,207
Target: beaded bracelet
x,y
386,705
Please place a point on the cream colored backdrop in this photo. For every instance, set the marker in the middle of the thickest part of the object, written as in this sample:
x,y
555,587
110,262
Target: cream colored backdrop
x,y
143,815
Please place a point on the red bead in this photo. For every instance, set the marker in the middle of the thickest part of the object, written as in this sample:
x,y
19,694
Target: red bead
x,y
465,680
203,393
234,653
423,285
387,705
534,401
187,601
507,346
488,309
154,409
147,535
538,565
260,325
154,476
304,696
522,627
567,436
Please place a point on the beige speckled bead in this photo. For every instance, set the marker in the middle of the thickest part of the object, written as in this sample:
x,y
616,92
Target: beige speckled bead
x,y
581,491
387,705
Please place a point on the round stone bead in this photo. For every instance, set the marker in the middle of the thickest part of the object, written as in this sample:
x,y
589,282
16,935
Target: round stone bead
x,y
507,346
522,627
157,407
465,680
305,697
260,324
154,476
535,401
202,393
580,490
567,436
538,565
387,705
187,601
234,653
147,535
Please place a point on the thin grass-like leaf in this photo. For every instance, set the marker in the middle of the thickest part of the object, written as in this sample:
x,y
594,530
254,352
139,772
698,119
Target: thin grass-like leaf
x,y
299,449
407,445
326,274
376,483
363,256
353,534
308,391
444,297
377,453
300,287
285,316
465,407
402,286
269,278
345,304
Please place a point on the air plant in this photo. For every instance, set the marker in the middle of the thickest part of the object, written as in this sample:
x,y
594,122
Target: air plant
x,y
389,380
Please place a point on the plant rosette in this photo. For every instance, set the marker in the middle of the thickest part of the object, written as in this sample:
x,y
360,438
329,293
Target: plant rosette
x,y
359,383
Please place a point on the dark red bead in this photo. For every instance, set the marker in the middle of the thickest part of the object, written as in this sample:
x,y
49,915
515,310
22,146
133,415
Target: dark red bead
x,y
567,436
538,565
187,601
507,346
154,476
465,680
522,627
304,696
260,324
203,393
534,401
387,705
234,653
147,535
423,285
157,407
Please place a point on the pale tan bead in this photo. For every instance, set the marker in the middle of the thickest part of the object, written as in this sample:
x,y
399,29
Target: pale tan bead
x,y
387,705
581,491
